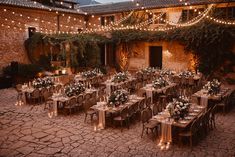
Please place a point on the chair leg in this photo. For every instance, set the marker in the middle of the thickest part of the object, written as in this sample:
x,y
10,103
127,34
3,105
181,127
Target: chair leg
x,y
214,123
191,142
121,125
142,132
91,117
152,131
180,140
224,110
85,117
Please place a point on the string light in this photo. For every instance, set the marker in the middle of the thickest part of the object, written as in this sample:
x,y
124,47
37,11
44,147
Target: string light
x,y
194,20
117,25
220,21
43,21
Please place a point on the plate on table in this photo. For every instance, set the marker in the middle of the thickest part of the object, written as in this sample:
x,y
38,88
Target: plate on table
x,y
196,110
188,118
192,114
128,103
201,107
133,100
157,117
183,121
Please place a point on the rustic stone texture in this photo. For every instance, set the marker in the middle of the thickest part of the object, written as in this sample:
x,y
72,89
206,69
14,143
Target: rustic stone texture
x,y
12,39
173,56
27,131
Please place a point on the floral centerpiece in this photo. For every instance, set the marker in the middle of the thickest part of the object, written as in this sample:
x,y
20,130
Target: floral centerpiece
x,y
42,82
160,82
118,97
120,77
179,107
147,71
90,73
212,87
186,74
74,89
166,73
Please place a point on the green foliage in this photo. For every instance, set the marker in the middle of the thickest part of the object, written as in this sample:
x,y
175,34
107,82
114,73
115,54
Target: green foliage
x,y
231,81
45,63
211,43
24,70
31,44
84,52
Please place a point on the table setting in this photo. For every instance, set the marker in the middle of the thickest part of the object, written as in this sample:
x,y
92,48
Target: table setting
x,y
117,81
159,85
179,113
114,103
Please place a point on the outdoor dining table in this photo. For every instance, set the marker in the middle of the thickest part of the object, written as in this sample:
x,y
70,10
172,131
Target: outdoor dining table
x,y
27,90
59,97
102,107
203,97
167,122
186,79
150,90
80,78
109,84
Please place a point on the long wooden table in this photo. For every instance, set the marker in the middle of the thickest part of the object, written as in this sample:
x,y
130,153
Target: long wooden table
x,y
167,122
203,97
102,108
57,98
150,90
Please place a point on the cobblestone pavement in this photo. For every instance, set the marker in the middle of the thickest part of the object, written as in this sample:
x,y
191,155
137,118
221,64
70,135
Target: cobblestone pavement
x,y
28,131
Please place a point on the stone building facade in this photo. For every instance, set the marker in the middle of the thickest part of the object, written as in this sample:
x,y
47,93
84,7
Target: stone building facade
x,y
17,19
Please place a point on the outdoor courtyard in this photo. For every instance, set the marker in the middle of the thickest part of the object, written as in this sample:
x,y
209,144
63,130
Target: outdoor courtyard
x,y
28,131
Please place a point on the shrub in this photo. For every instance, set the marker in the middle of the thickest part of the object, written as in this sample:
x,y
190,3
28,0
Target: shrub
x,y
24,70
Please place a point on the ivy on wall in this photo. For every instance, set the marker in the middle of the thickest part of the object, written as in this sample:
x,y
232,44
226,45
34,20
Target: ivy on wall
x,y
83,50
211,43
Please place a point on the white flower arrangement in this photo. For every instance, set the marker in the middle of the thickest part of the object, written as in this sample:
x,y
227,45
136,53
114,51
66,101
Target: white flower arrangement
x,y
118,97
166,73
120,77
147,71
178,108
160,82
91,73
42,82
74,89
186,74
212,87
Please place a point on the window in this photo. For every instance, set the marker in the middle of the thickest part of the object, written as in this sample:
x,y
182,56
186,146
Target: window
x,y
79,30
225,13
150,16
102,21
106,20
160,20
31,30
189,15
184,16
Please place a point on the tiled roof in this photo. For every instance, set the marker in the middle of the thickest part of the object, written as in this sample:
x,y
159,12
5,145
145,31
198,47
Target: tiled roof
x,y
31,4
87,2
71,1
129,5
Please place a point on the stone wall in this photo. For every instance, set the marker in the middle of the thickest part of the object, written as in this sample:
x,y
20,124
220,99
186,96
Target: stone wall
x,y
14,29
173,56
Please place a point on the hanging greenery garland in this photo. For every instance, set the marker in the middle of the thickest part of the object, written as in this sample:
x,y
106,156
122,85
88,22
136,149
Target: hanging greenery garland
x,y
211,43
